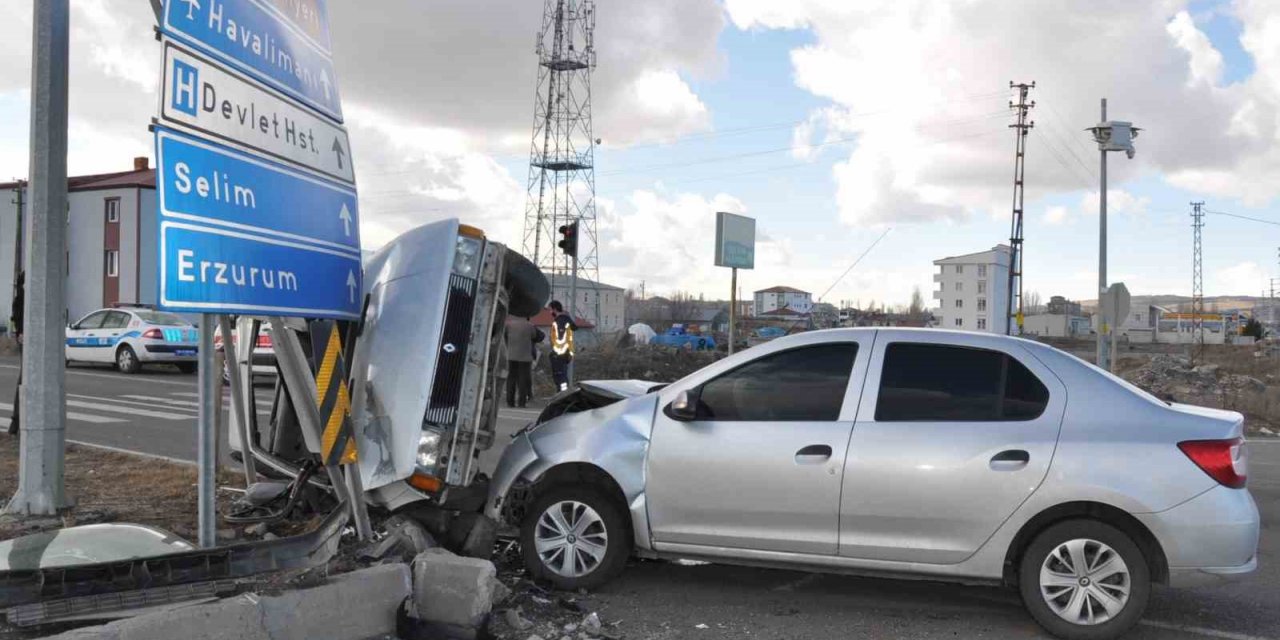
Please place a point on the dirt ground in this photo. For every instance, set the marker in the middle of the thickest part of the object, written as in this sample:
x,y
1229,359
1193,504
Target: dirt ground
x,y
116,487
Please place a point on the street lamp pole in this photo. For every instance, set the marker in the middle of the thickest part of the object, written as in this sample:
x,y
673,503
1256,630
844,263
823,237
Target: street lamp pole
x,y
1104,352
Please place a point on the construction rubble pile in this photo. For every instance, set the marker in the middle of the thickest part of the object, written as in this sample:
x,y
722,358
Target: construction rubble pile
x,y
1175,378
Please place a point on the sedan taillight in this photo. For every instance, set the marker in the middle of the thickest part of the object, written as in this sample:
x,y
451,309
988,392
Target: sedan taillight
x,y
1224,460
264,341
153,334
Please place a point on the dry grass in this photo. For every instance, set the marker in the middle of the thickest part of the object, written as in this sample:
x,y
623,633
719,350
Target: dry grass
x,y
123,487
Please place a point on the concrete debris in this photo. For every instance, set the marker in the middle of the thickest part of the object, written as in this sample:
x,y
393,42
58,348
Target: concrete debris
x,y
1173,377
225,535
1267,432
256,530
591,623
453,590
270,536
514,620
361,604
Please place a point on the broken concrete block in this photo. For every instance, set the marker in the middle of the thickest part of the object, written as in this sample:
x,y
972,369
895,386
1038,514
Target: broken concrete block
x,y
453,590
256,530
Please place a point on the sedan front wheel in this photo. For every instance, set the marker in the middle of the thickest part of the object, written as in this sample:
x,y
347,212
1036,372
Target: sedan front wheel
x,y
575,537
1085,580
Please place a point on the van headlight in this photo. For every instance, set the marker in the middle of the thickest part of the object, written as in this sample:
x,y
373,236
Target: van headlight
x,y
428,450
466,257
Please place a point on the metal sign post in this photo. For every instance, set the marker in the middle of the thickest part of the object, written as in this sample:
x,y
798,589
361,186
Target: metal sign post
x,y
733,308
207,432
736,249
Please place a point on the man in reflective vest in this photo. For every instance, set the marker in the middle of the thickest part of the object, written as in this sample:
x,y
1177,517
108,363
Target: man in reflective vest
x,y
562,328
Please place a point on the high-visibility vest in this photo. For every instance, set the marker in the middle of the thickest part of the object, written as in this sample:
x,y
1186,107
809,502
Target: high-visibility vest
x,y
561,338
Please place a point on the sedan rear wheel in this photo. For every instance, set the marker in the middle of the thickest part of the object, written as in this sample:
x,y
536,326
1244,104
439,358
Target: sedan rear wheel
x,y
1084,579
127,361
575,537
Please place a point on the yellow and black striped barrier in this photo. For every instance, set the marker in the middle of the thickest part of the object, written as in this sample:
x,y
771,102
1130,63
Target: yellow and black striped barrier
x,y
337,444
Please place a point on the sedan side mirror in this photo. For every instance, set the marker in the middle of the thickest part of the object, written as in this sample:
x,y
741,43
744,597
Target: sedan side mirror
x,y
684,408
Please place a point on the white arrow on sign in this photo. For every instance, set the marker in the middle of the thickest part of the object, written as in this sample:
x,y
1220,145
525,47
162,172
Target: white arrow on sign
x,y
324,83
351,286
345,216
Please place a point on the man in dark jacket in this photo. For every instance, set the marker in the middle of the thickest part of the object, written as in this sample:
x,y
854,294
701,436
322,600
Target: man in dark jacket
x,y
521,335
19,307
562,328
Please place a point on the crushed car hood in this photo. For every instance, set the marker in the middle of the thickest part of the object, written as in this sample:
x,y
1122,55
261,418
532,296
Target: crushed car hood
x,y
88,544
620,389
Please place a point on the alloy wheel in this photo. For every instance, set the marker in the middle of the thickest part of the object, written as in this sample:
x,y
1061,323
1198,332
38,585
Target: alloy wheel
x,y
571,539
1085,582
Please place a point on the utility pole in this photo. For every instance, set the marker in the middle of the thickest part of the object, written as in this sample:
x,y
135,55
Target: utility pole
x,y
1197,285
1110,136
43,437
1013,312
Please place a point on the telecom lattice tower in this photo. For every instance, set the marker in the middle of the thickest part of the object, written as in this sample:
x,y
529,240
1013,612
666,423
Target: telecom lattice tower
x,y
1013,313
1197,284
562,183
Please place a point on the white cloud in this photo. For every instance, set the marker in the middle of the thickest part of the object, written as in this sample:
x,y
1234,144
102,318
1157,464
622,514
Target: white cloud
x,y
1118,201
1245,276
922,86
1056,215
1206,61
658,105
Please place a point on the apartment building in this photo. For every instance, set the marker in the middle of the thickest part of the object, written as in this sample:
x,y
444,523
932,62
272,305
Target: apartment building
x,y
972,290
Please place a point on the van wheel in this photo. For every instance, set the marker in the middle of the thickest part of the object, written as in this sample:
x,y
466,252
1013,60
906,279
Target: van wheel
x,y
127,360
186,367
1084,580
575,537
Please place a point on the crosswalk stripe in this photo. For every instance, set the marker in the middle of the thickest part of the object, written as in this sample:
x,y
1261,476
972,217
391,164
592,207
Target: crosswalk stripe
x,y
129,403
71,415
131,410
181,403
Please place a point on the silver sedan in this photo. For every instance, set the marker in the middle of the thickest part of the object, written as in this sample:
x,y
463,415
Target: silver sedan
x,y
894,452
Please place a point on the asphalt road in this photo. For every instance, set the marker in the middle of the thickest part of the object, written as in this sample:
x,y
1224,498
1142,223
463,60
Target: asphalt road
x,y
154,413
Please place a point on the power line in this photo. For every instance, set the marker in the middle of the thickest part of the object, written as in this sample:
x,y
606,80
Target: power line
x,y
855,263
1242,217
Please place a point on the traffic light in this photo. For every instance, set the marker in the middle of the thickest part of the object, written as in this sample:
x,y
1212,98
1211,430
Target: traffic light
x,y
569,239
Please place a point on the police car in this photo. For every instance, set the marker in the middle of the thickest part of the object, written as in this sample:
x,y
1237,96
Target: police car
x,y
130,337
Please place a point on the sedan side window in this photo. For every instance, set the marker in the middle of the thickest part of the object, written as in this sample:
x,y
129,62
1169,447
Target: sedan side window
x,y
116,320
933,382
805,384
93,321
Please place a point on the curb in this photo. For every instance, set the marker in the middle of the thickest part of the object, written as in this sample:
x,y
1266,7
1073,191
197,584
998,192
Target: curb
x,y
360,604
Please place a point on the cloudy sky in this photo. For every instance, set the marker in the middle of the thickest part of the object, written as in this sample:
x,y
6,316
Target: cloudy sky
x,y
829,121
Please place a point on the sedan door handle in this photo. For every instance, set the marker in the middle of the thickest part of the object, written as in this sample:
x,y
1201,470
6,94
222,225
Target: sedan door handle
x,y
1010,460
813,454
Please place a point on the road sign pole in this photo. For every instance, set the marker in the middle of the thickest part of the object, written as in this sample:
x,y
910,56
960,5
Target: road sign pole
x,y
209,380
43,403
1104,356
733,308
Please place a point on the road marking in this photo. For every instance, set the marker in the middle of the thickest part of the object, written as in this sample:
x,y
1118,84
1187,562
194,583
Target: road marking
x,y
181,403
71,415
152,456
117,377
1200,631
131,403
137,411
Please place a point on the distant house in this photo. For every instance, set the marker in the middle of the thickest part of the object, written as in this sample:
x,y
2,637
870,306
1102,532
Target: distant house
x,y
610,301
775,298
706,319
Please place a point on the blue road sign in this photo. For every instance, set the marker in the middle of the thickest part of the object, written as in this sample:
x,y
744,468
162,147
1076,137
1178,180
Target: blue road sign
x,y
262,42
209,184
213,270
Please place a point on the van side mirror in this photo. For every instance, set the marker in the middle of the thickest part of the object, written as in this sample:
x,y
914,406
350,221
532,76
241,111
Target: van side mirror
x,y
684,408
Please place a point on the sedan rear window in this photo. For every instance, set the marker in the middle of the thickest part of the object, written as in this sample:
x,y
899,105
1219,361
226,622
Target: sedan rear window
x,y
161,318
944,383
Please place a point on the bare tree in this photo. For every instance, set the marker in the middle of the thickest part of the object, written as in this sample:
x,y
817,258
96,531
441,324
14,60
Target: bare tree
x,y
916,309
1033,303
683,307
